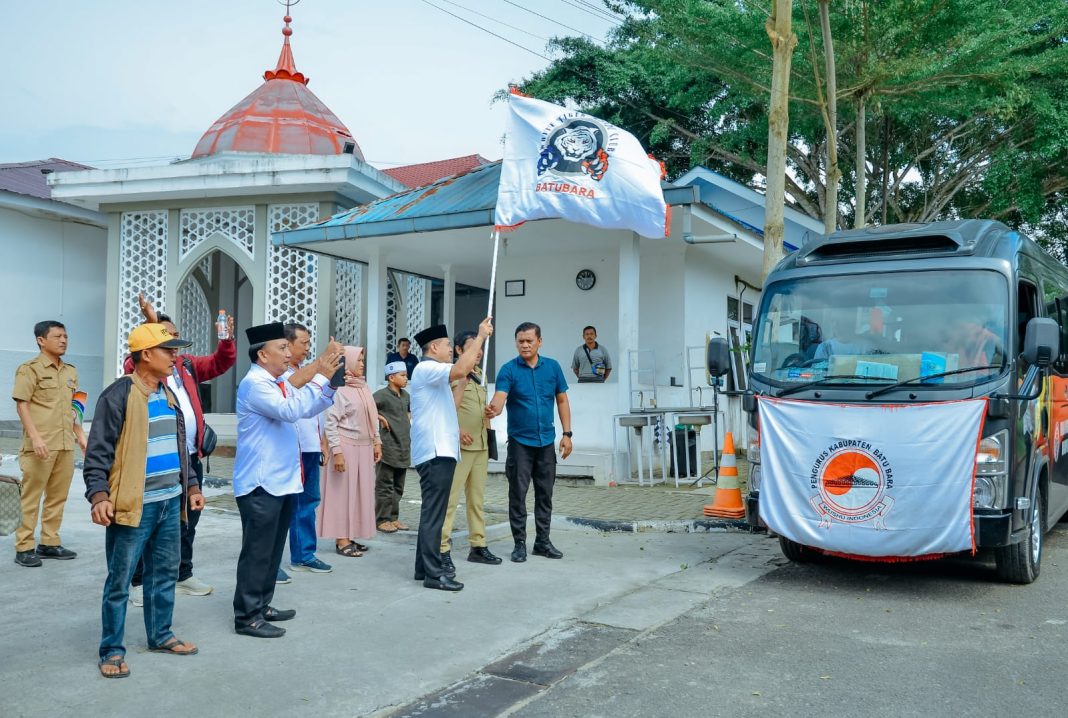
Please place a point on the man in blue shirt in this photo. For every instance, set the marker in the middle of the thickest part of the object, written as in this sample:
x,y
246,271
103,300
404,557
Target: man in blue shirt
x,y
530,385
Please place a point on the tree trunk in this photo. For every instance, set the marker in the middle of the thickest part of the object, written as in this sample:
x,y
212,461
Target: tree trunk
x,y
783,41
830,215
859,219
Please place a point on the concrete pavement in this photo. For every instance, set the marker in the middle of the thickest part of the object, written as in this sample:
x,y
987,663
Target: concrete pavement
x,y
367,638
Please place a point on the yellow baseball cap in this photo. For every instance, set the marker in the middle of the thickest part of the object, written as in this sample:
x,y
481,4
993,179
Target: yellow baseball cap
x,y
149,336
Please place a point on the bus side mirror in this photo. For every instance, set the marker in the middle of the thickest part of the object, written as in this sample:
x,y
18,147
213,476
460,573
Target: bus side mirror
x,y
1042,341
718,357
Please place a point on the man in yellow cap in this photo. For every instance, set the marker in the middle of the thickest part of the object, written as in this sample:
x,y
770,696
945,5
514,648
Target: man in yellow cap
x,y
139,481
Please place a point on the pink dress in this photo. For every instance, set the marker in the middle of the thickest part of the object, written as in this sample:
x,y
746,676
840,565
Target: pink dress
x,y
347,508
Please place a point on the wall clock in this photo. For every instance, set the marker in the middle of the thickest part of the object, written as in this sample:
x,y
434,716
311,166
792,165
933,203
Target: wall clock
x,y
585,279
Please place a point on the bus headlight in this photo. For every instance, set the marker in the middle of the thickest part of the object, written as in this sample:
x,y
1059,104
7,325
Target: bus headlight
x,y
992,476
752,455
754,477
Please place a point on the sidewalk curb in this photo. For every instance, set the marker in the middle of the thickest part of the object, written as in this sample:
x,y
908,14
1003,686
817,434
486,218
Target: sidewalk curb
x,y
659,525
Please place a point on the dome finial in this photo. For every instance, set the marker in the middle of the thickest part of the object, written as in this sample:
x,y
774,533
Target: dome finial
x,y
286,69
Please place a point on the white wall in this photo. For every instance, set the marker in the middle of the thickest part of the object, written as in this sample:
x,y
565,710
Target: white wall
x,y
51,269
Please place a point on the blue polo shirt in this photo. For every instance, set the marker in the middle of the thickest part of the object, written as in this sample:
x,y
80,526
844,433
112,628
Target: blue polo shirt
x,y
531,399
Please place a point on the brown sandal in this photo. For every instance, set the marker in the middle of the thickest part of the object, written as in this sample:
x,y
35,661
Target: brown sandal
x,y
115,662
349,550
173,644
401,527
387,527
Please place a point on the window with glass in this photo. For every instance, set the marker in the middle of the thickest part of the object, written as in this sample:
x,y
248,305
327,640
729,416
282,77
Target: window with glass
x,y
936,327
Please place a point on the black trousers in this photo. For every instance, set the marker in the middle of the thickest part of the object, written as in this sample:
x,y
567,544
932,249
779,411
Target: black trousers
x,y
435,482
264,527
523,464
189,532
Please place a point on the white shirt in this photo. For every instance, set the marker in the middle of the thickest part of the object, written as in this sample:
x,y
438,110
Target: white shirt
x,y
268,450
435,429
186,404
308,430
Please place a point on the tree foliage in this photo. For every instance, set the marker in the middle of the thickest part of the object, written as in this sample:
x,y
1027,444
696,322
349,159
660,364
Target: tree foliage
x,y
966,101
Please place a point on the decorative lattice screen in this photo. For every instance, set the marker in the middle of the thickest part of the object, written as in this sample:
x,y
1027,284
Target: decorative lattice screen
x,y
417,304
238,224
142,269
195,319
348,301
391,314
292,274
206,265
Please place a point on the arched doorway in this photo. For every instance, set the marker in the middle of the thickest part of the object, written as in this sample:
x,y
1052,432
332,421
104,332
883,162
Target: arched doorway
x,y
215,282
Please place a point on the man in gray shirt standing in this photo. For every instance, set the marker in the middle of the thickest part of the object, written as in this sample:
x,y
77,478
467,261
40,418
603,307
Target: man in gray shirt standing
x,y
591,362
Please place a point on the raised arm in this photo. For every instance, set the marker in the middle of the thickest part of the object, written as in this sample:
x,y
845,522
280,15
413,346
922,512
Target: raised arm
x,y
469,359
303,403
325,364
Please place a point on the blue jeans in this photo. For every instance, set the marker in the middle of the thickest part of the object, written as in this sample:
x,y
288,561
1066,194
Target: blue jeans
x,y
158,540
302,536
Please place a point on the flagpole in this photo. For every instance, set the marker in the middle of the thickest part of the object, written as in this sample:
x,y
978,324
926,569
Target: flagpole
x,y
492,293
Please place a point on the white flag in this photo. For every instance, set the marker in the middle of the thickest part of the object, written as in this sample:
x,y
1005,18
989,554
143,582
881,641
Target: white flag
x,y
559,163
870,480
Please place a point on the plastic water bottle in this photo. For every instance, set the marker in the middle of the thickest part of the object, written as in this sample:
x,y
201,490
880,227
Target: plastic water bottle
x,y
220,325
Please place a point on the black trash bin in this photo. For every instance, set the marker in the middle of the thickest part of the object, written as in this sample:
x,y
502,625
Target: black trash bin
x,y
684,439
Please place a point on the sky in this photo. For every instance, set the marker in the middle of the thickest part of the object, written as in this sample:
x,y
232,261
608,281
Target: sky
x,y
132,82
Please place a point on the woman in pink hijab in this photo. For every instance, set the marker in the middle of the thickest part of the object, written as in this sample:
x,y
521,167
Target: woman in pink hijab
x,y
347,510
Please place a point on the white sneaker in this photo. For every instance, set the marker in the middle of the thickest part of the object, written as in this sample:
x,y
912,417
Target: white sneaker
x,y
193,586
137,596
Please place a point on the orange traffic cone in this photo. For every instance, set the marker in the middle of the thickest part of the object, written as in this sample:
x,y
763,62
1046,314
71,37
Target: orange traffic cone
x,y
728,501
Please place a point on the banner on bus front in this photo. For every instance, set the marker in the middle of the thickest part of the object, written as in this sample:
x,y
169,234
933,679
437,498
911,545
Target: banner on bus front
x,y
872,480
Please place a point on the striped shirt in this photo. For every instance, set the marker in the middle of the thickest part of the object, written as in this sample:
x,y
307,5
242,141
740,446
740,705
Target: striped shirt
x,y
163,465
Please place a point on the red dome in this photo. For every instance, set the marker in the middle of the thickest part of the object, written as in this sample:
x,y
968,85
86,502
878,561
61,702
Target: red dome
x,y
281,116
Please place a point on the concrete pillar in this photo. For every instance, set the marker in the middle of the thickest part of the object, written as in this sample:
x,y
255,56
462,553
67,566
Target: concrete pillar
x,y
258,278
449,299
376,318
111,302
629,312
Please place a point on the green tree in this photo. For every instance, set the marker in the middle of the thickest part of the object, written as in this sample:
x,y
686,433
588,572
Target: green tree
x,y
962,104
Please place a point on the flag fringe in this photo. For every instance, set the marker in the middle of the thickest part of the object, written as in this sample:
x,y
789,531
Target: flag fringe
x,y
893,559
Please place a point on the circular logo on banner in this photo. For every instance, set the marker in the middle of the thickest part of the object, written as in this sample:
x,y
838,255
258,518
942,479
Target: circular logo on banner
x,y
576,146
851,481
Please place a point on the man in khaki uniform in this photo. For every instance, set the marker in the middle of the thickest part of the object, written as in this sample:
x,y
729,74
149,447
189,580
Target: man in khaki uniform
x,y
44,394
470,475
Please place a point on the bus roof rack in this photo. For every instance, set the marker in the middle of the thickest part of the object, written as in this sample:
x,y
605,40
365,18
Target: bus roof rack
x,y
900,241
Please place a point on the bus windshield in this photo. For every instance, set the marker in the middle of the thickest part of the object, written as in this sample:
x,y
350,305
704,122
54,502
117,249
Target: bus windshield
x,y
883,328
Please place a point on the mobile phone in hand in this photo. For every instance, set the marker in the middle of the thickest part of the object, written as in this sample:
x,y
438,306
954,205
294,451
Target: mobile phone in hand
x,y
338,379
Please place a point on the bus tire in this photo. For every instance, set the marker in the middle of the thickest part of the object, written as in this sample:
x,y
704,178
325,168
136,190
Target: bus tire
x,y
794,551
1022,562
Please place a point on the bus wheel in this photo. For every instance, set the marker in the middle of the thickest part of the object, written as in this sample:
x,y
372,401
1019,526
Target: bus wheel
x,y
1021,563
796,551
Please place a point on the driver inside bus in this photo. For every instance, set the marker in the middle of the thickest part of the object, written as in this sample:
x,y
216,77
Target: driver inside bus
x,y
872,340
972,342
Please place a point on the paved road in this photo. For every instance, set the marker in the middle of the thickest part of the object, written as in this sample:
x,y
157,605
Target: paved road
x,y
366,637
834,639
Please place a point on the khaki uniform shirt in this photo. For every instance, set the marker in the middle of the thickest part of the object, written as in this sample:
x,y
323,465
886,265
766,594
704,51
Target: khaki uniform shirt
x,y
471,414
49,391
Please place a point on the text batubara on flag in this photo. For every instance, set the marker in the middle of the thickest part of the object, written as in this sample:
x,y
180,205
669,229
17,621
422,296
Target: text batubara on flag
x,y
559,163
886,481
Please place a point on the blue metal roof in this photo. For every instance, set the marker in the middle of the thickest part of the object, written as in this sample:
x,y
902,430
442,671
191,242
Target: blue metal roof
x,y
457,202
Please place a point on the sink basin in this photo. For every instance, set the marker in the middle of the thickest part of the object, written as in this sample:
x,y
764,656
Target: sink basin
x,y
636,420
694,419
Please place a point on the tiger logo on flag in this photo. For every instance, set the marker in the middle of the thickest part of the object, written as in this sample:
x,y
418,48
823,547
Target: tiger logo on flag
x,y
576,147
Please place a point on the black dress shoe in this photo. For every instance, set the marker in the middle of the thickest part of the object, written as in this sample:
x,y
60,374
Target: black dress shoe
x,y
481,554
519,553
447,564
275,614
27,558
547,550
259,629
57,552
443,583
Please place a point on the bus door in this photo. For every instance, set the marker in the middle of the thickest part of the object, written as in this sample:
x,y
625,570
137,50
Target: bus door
x,y
1056,390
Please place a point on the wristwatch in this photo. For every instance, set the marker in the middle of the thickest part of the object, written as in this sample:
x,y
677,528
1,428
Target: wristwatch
x,y
568,434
